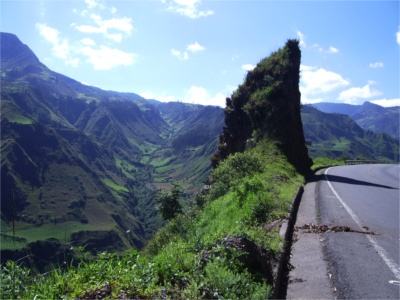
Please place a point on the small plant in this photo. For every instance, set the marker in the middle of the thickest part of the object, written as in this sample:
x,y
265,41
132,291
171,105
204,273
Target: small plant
x,y
14,278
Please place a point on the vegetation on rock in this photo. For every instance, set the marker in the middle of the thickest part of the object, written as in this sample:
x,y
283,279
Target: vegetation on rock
x,y
267,104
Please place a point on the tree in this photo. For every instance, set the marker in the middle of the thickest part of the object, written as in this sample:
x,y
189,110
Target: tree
x,y
168,202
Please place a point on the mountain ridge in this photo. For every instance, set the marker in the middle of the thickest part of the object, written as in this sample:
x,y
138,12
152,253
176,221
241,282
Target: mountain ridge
x,y
369,116
80,161
102,158
338,135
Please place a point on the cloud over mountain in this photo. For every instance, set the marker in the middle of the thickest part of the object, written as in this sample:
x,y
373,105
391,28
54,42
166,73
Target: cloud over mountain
x,y
353,94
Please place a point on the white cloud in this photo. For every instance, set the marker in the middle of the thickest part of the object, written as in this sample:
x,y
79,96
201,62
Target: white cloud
x,y
376,65
302,38
305,100
194,95
317,81
352,95
105,58
163,97
199,95
181,55
88,42
195,47
184,55
101,58
60,48
188,8
304,68
387,102
248,67
124,25
74,62
398,37
50,34
91,3
332,50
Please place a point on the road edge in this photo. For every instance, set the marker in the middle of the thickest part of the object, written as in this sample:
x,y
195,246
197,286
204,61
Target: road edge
x,y
286,232
308,276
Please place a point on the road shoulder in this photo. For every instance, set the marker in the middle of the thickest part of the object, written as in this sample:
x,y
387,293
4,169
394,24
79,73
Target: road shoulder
x,y
309,277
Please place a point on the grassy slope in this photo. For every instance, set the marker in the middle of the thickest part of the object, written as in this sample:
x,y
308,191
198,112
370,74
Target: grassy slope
x,y
187,259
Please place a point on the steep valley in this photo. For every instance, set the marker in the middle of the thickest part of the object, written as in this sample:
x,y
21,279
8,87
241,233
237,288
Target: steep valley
x,y
83,165
76,158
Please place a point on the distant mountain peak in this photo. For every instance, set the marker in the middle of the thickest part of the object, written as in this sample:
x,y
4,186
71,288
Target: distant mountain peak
x,y
14,52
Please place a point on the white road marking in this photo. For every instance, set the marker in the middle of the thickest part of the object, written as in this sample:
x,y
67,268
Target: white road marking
x,y
382,252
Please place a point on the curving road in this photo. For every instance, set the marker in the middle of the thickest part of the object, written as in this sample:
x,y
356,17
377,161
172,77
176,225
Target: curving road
x,y
363,262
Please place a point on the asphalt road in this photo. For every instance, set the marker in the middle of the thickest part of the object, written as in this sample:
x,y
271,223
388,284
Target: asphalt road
x,y
363,263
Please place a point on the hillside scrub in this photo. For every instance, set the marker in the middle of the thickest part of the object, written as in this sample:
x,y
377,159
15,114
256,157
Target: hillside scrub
x,y
194,256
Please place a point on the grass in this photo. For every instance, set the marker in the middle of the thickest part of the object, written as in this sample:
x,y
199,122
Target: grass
x,y
20,119
114,186
320,162
169,168
7,242
145,147
341,145
159,162
14,114
60,231
87,99
126,167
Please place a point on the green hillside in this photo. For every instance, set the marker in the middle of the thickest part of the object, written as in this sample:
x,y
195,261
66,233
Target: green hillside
x,y
222,243
368,116
338,136
79,159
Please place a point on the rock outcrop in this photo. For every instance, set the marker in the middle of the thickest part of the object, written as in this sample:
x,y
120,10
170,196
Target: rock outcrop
x,y
267,105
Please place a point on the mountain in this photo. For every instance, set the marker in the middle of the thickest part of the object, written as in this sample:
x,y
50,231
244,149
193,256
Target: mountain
x,y
369,116
267,105
337,135
81,164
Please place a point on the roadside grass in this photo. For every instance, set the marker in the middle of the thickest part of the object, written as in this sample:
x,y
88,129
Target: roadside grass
x,y
320,162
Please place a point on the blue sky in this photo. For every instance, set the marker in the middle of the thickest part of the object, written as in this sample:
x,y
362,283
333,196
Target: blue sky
x,y
200,51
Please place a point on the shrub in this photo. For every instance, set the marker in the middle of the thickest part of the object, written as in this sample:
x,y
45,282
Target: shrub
x,y
234,168
168,202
